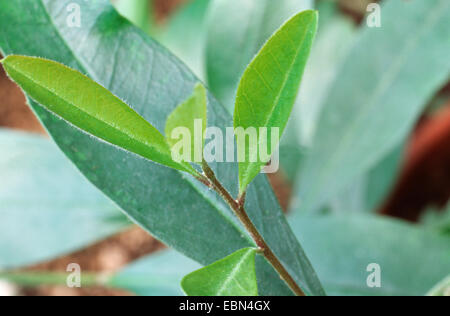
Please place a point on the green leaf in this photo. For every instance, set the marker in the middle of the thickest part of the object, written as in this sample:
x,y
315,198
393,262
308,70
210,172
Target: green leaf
x,y
232,276
384,84
236,31
190,115
441,289
412,260
269,87
173,207
159,274
47,208
95,111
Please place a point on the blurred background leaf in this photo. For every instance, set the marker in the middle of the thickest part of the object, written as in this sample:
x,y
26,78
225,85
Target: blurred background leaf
x,y
47,207
113,53
185,33
412,259
236,30
438,220
441,289
383,86
139,12
159,274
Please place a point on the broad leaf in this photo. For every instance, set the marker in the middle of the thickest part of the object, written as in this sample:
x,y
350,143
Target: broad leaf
x,y
412,260
191,117
159,274
232,276
95,111
441,289
172,206
383,85
47,208
268,90
236,31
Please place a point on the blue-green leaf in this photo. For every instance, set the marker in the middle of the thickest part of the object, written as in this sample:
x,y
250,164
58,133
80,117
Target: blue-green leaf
x,y
47,208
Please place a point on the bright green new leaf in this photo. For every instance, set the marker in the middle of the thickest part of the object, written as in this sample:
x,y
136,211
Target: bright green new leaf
x,y
232,276
383,85
95,111
441,289
268,90
38,278
236,31
188,122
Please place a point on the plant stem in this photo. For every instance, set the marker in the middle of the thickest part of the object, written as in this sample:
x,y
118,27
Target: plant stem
x,y
238,208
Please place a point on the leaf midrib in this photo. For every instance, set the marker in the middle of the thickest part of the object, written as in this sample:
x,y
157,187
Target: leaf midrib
x,y
233,273
56,95
285,80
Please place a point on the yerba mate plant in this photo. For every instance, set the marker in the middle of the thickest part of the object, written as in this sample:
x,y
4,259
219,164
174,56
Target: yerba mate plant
x,y
184,158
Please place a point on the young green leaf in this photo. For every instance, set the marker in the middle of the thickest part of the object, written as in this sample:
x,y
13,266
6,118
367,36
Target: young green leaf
x,y
232,276
441,289
189,117
95,111
268,90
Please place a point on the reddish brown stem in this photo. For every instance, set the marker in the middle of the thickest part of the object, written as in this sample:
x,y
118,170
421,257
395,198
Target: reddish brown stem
x,y
238,208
